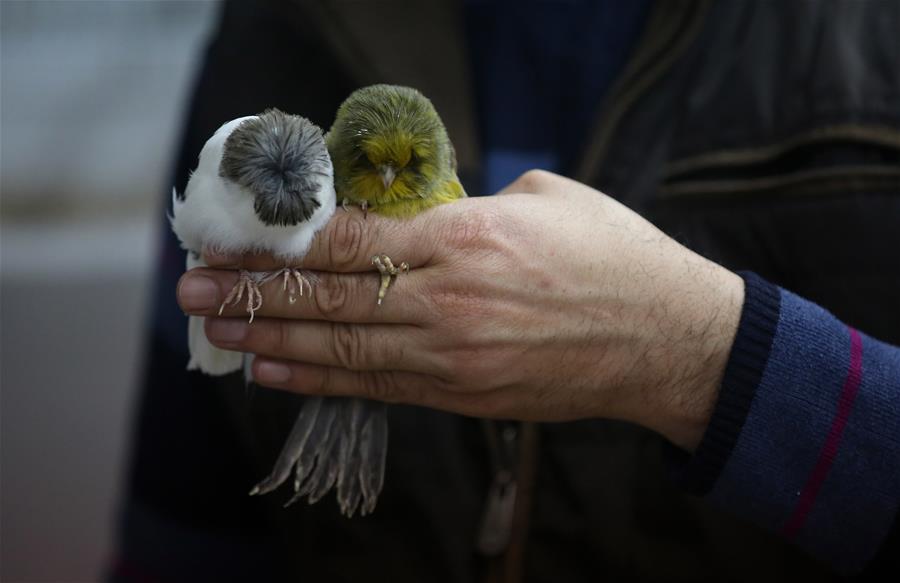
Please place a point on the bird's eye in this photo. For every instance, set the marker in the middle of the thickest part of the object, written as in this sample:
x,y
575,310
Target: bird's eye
x,y
414,160
364,162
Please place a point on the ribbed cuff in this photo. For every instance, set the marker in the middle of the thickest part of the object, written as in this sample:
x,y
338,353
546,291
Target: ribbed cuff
x,y
743,372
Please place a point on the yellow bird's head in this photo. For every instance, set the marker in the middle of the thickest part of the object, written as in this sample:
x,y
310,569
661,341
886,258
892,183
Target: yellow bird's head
x,y
388,145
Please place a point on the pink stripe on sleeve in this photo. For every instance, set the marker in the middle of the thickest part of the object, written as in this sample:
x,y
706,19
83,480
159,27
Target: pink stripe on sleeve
x,y
832,441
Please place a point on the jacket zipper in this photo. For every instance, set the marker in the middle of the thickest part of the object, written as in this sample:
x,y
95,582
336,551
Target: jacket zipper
x,y
503,533
496,521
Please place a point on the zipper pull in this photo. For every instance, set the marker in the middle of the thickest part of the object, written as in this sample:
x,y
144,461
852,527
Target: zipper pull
x,y
496,523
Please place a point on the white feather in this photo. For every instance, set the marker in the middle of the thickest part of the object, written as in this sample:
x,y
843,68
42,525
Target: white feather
x,y
204,356
217,214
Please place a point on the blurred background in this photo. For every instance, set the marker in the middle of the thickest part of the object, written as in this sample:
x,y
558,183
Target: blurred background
x,y
91,100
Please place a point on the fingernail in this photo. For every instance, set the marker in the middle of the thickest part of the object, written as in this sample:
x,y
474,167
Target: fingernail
x,y
272,372
227,329
197,293
214,259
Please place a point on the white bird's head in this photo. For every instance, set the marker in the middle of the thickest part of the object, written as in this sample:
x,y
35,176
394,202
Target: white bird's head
x,y
282,162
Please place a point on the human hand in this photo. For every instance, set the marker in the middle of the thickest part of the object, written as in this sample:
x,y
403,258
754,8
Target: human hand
x,y
552,302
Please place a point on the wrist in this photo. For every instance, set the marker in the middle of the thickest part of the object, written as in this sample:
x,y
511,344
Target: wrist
x,y
706,322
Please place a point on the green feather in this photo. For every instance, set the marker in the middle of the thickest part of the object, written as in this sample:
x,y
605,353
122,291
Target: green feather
x,y
388,126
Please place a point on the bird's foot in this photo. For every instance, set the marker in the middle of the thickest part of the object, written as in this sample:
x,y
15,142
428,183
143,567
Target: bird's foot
x,y
388,272
245,284
364,205
293,281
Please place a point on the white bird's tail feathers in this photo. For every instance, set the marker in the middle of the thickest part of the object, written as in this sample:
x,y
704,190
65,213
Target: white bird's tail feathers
x,y
207,358
204,356
335,442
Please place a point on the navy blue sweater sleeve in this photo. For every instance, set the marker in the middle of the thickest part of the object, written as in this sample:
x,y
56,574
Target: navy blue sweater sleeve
x,y
805,437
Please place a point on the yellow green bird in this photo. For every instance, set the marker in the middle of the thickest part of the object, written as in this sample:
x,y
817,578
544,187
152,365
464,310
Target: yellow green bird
x,y
391,154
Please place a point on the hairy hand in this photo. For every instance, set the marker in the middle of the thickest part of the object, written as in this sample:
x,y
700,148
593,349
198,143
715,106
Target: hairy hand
x,y
552,302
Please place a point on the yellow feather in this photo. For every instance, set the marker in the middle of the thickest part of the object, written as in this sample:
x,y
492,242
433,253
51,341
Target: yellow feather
x,y
405,208
391,152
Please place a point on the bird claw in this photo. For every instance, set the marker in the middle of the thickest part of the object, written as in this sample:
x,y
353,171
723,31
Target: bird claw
x,y
388,272
293,280
245,283
346,203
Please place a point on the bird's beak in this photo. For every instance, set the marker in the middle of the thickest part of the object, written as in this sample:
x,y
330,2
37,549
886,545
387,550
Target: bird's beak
x,y
387,175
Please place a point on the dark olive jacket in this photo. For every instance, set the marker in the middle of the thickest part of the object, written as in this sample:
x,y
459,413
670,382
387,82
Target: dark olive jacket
x,y
764,135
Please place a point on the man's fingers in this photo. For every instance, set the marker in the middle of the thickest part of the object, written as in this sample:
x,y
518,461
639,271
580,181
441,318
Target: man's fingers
x,y
339,297
390,386
348,346
348,243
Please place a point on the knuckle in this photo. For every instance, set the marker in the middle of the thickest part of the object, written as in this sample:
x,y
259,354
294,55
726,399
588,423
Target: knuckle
x,y
471,229
479,368
382,386
468,367
281,338
323,382
331,296
531,181
461,311
388,353
347,345
345,242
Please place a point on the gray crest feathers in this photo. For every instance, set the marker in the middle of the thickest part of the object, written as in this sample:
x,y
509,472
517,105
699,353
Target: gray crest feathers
x,y
282,159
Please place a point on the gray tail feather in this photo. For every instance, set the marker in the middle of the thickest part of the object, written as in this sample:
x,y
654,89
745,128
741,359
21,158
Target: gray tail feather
x,y
349,459
294,446
373,451
335,442
325,473
248,374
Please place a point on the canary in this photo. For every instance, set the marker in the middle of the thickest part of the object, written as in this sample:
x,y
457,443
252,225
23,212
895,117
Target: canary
x,y
391,155
391,152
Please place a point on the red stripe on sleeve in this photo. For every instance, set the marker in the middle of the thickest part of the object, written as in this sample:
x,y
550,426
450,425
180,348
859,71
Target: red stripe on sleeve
x,y
832,441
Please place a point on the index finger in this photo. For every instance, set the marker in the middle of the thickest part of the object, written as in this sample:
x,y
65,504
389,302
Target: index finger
x,y
347,244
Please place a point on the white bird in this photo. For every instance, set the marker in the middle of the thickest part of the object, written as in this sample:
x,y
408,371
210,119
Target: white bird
x,y
265,183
